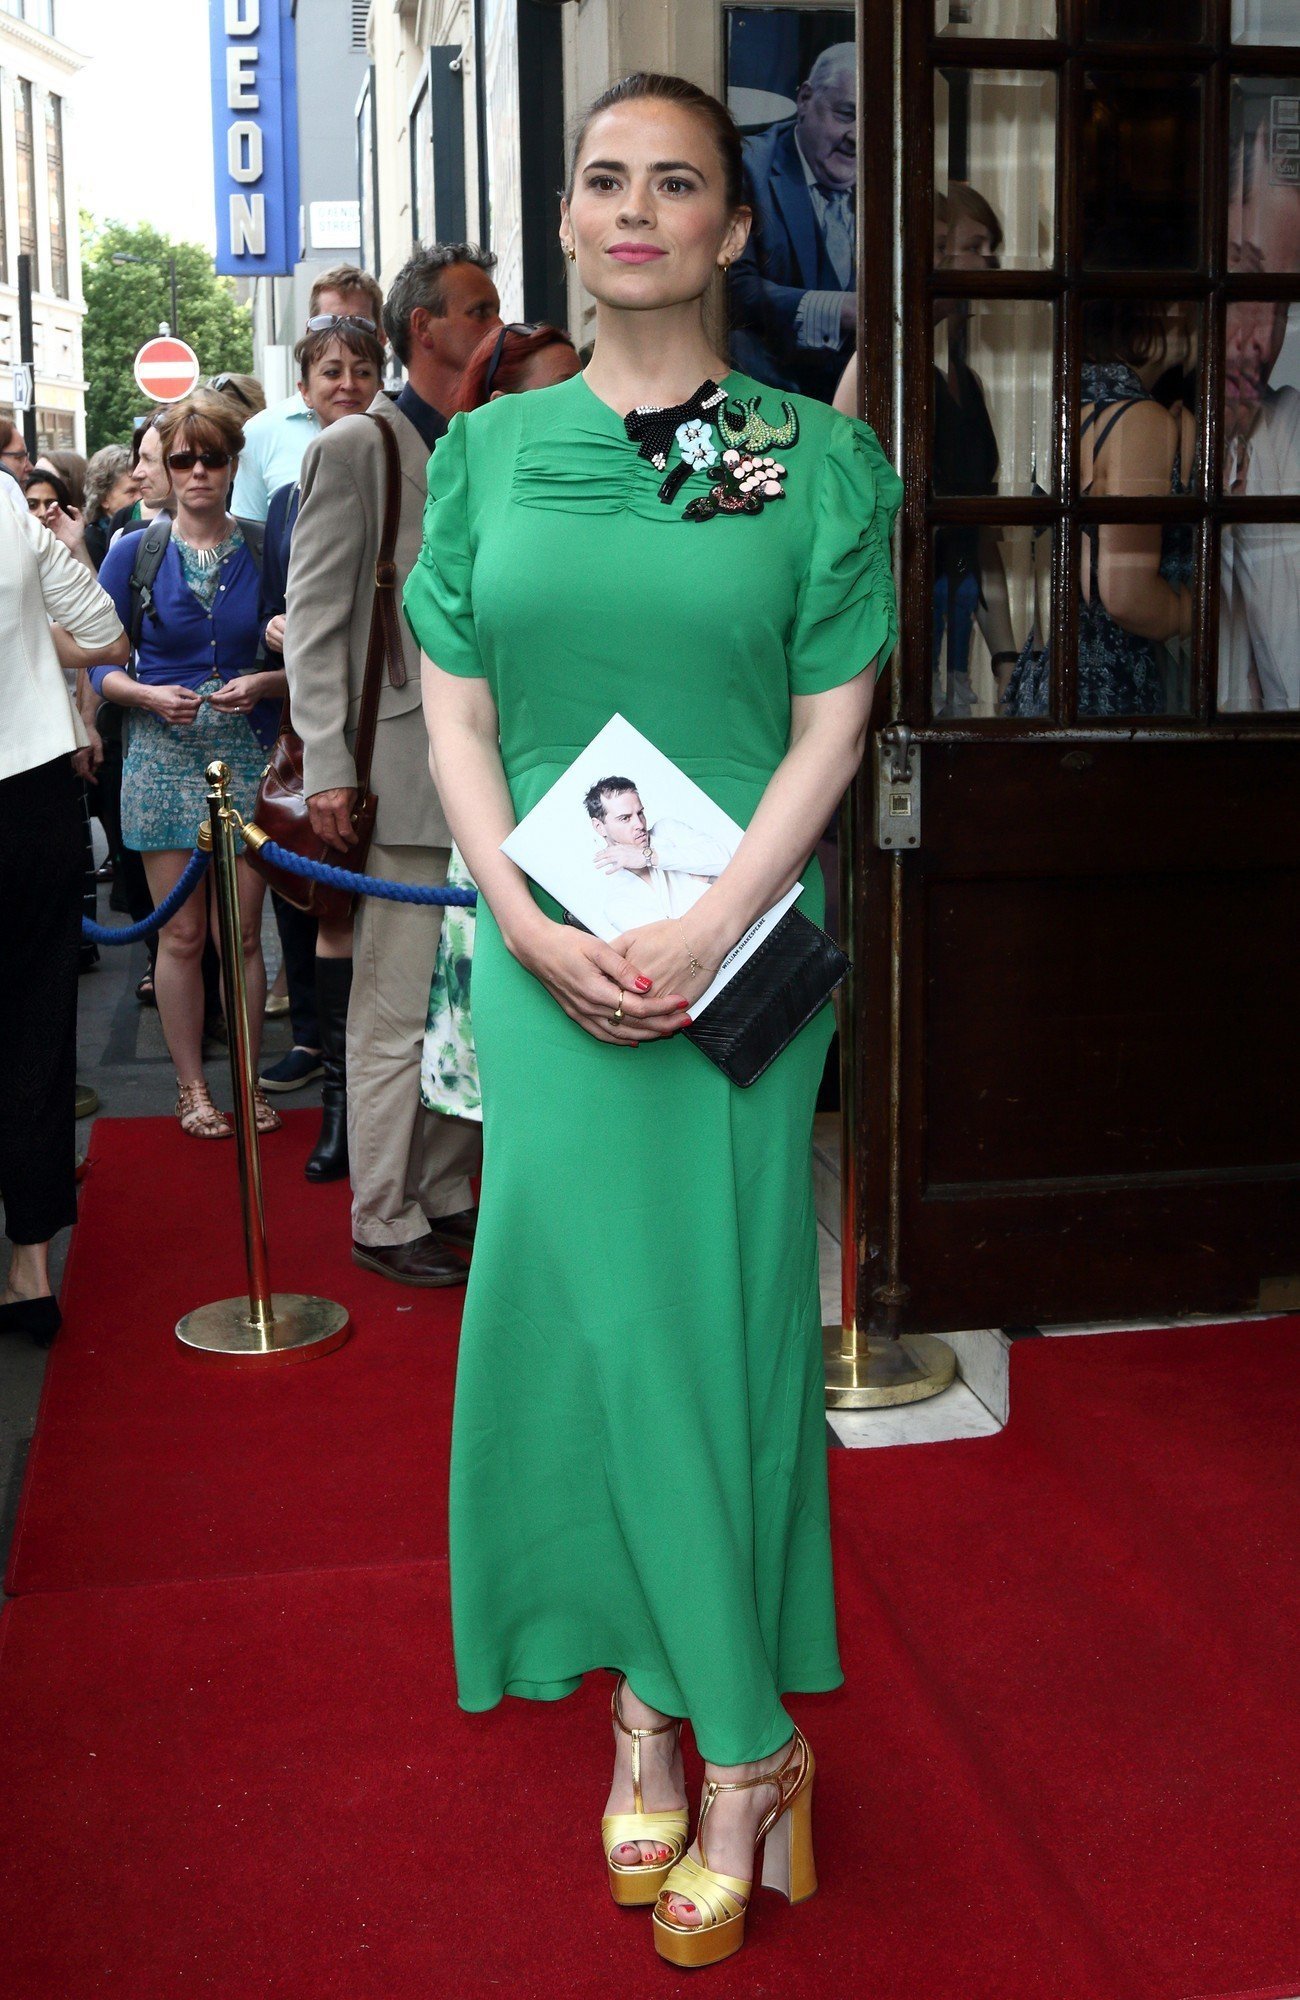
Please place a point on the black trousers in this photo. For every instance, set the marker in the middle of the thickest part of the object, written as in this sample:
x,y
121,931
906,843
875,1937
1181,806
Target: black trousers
x,y
106,802
42,832
298,943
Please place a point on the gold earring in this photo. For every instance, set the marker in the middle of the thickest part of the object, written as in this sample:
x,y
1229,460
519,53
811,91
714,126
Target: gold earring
x,y
724,263
571,253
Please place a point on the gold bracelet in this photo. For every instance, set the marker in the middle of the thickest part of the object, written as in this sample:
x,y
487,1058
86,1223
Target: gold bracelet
x,y
696,967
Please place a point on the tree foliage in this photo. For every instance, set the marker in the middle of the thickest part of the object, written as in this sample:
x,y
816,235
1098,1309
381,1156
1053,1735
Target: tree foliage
x,y
124,305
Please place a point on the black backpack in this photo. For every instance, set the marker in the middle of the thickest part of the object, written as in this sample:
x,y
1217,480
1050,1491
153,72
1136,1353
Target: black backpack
x,y
151,547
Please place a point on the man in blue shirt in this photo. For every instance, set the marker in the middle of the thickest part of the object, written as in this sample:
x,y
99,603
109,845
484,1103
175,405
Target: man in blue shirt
x,y
276,439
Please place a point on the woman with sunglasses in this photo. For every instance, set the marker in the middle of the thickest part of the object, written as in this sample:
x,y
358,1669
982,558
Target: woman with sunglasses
x,y
340,368
198,693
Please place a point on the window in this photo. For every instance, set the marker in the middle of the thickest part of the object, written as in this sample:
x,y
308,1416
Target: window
x,y
57,199
24,149
1113,399
4,224
368,175
421,133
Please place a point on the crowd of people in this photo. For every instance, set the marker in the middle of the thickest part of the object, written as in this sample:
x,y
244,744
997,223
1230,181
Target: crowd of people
x,y
236,544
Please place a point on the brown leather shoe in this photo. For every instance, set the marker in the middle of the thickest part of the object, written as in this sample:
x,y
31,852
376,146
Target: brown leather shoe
x,y
456,1230
423,1262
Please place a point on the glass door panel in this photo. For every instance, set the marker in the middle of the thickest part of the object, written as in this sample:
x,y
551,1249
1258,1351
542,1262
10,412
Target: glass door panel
x,y
1144,20
1260,21
992,607
992,414
1264,176
1261,413
1005,19
1139,397
1141,151
995,156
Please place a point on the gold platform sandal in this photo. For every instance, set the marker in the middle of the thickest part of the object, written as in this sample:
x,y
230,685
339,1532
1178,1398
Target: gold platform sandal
x,y
722,1900
634,1884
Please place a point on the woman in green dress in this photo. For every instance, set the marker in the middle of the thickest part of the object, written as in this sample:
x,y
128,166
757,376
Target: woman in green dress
x,y
638,1473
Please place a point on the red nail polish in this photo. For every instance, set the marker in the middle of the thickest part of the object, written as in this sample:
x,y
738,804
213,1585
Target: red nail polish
x,y
643,984
683,1004
687,1021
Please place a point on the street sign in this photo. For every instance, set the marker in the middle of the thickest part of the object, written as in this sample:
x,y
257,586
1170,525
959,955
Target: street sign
x,y
166,369
23,394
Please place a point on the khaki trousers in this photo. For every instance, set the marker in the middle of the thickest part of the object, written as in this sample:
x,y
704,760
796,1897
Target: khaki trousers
x,y
407,1163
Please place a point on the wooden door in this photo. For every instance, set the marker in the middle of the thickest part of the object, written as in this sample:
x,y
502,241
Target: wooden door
x,y
1079,1086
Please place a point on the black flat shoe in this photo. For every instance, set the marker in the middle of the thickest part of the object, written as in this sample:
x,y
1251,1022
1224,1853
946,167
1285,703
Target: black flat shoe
x,y
38,1318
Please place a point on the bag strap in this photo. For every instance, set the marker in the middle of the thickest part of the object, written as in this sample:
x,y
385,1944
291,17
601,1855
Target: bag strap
x,y
150,550
384,647
254,533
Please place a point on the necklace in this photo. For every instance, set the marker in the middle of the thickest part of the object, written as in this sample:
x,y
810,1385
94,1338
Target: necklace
x,y
205,560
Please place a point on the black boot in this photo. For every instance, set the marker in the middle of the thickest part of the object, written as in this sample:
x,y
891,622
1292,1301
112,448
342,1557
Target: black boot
x,y
329,1159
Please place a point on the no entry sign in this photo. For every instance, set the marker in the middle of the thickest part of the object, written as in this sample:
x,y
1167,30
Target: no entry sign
x,y
166,369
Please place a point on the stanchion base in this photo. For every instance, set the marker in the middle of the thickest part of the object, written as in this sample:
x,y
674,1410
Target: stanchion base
x,y
906,1370
303,1328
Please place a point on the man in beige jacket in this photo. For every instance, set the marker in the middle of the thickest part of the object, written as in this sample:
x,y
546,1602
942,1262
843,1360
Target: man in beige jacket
x,y
411,1200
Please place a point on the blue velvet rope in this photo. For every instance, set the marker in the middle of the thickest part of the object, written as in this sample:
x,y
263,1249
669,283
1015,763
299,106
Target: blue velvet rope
x,y
362,885
131,933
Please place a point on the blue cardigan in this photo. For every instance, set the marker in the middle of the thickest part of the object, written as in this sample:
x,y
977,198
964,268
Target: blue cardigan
x,y
181,644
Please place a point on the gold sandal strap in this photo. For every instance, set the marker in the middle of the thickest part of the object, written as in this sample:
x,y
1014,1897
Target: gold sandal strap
x,y
623,1829
798,1748
659,1729
716,1897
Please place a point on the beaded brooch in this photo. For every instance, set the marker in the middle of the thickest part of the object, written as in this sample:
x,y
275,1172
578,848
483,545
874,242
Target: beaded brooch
x,y
748,475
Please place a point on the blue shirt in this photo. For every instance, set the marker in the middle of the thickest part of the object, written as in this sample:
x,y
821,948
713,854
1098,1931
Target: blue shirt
x,y
182,644
275,444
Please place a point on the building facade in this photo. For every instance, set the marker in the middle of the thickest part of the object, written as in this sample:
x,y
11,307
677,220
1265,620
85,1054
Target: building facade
x,y
333,66
463,118
38,217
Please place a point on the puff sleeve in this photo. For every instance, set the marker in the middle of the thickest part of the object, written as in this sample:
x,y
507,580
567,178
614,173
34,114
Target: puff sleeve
x,y
438,598
846,614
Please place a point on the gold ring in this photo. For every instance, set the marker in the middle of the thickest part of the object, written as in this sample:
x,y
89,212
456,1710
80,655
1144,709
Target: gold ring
x,y
617,1014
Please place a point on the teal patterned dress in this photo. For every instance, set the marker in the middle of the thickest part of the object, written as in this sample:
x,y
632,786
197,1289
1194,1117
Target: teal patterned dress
x,y
164,791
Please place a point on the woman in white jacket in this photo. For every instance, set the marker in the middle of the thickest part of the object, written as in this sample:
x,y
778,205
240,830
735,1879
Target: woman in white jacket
x,y
53,615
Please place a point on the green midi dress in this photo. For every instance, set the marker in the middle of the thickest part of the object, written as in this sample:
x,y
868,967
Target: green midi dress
x,y
638,1470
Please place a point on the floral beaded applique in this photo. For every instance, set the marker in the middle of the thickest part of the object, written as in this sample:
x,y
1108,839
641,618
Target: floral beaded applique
x,y
653,431
747,476
746,486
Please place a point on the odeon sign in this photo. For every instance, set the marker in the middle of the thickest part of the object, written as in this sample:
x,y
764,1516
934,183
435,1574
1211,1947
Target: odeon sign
x,y
255,136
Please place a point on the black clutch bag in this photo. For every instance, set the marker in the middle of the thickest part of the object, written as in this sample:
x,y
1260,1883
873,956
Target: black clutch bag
x,y
759,1012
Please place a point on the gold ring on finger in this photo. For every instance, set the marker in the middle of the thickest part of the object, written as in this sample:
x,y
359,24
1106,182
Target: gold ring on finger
x,y
617,1015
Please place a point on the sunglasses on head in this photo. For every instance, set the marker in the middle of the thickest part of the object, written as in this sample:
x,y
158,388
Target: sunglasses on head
x,y
185,461
326,322
525,327
226,385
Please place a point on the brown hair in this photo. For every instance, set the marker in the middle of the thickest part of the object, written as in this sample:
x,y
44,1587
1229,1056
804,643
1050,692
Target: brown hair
x,y
348,278
71,468
966,202
204,421
1132,331
650,85
314,346
517,350
245,391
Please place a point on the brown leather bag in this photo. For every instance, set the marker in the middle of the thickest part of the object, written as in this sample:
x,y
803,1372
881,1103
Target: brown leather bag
x,y
281,814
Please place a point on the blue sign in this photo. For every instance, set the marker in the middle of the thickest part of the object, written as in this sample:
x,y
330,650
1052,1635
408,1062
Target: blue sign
x,y
255,136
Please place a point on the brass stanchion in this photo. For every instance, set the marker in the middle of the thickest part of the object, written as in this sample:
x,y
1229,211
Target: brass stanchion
x,y
266,1326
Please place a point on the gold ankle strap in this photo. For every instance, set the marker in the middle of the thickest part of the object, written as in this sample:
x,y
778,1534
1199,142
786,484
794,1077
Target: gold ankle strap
x,y
660,1729
712,1786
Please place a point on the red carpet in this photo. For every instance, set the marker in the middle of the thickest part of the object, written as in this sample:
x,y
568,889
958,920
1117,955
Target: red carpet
x,y
152,1464
1065,1767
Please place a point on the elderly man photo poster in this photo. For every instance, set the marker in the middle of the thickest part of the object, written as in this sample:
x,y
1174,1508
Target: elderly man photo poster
x,y
792,295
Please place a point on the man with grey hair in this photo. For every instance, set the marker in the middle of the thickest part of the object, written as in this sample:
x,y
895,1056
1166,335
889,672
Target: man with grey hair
x,y
412,1219
793,290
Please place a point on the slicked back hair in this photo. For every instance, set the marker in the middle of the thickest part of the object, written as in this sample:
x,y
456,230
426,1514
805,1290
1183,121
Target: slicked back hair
x,y
419,283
